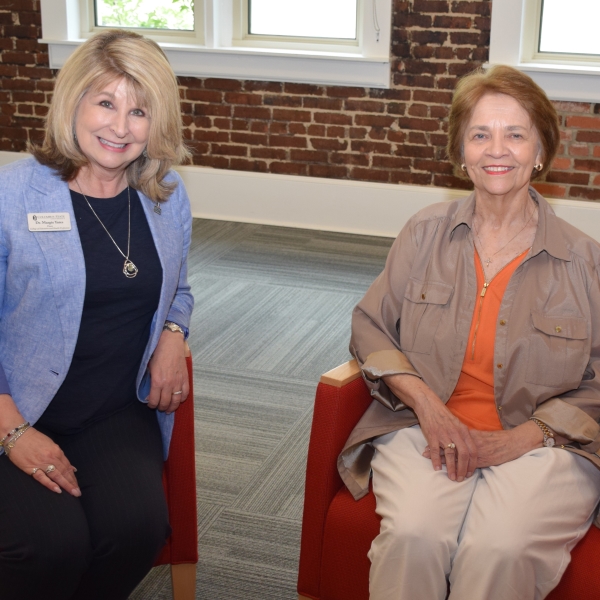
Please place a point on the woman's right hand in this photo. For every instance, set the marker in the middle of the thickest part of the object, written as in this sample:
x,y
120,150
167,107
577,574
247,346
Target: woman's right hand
x,y
36,451
439,426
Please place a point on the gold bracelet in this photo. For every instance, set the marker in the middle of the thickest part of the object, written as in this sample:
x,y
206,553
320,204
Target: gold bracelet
x,y
11,433
548,435
11,443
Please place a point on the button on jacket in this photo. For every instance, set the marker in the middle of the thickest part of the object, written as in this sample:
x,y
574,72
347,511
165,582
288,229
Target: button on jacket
x,y
415,319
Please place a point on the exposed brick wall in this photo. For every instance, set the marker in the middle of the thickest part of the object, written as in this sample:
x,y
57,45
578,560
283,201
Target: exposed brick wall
x,y
395,136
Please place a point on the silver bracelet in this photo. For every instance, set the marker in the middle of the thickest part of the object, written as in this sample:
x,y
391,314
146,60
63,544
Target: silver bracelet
x,y
11,443
12,432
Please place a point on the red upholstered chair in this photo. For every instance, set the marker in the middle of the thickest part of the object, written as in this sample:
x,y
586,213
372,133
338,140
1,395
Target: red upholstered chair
x,y
337,531
179,480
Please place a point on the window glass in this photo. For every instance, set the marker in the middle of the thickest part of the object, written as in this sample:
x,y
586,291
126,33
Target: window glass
x,y
307,18
150,14
570,27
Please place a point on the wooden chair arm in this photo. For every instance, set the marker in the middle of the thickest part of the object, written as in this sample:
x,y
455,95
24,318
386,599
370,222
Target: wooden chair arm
x,y
342,375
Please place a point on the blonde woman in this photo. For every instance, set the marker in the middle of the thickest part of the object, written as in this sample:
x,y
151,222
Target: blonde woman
x,y
95,307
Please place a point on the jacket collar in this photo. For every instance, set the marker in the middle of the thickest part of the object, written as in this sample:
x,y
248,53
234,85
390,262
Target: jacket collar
x,y
548,238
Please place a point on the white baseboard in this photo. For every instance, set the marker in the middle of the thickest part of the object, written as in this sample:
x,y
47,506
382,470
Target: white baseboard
x,y
379,209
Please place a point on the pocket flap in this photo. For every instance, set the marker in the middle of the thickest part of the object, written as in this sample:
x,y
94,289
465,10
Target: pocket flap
x,y
574,328
428,292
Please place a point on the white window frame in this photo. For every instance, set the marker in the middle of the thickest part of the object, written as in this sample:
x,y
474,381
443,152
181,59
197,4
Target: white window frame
x,y
514,41
222,49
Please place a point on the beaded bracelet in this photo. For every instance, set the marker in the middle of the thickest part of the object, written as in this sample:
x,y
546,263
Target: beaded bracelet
x,y
11,443
11,433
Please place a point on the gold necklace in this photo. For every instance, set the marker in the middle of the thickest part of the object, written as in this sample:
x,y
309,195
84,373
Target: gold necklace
x,y
488,260
129,269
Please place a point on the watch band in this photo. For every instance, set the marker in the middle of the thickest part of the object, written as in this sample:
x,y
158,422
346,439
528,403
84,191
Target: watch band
x,y
173,327
548,435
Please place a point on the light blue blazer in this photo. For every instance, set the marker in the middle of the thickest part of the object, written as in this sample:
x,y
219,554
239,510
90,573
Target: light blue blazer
x,y
42,285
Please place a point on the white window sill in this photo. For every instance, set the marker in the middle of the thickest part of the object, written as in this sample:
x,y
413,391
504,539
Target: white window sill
x,y
265,64
573,83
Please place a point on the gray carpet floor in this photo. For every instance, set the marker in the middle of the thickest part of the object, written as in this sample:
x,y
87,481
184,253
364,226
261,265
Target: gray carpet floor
x,y
272,313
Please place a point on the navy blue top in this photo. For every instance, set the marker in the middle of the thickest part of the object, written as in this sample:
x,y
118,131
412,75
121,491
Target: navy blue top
x,y
116,318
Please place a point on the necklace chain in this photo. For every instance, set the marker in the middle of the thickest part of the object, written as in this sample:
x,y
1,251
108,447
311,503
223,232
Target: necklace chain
x,y
488,260
129,269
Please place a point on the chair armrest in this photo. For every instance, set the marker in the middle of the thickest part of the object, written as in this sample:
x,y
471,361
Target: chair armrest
x,y
341,399
179,478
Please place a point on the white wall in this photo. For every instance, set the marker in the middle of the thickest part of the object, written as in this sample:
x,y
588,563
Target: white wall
x,y
327,204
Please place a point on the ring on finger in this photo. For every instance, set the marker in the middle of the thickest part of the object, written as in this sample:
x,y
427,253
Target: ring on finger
x,y
451,446
34,470
177,393
50,469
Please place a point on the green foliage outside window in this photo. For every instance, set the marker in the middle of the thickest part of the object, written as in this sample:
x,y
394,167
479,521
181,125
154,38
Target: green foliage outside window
x,y
152,14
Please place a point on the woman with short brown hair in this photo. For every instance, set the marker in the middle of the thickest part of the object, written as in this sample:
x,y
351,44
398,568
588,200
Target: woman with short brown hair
x,y
480,343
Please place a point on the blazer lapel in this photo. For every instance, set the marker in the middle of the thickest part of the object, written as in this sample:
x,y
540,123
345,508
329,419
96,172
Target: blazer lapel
x,y
61,249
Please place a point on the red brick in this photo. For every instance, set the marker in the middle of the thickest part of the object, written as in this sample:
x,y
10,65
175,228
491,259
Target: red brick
x,y
332,118
242,164
357,133
597,180
259,126
308,156
317,130
597,151
396,108
378,133
433,166
269,153
252,139
329,171
18,58
418,124
446,22
417,137
470,7
235,124
287,141
584,192
322,103
409,177
328,144
564,177
348,158
215,110
573,107
336,131
291,101
372,106
273,87
550,190
583,122
304,89
587,165
561,164
217,162
280,114
287,168
370,147
229,150
230,85
374,120
592,137
398,137
390,162
252,112
363,174
346,92
204,95
243,98
415,151
278,127
297,128
418,110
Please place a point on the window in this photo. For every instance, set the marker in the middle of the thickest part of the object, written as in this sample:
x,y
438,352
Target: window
x,y
331,42
566,32
533,35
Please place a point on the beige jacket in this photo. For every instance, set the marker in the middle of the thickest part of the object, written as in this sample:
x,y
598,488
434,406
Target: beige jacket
x,y
415,318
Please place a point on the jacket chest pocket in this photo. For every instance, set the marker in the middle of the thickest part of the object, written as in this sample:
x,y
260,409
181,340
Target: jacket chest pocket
x,y
424,303
557,351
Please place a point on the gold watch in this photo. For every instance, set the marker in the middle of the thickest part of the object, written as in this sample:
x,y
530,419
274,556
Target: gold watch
x,y
548,435
173,327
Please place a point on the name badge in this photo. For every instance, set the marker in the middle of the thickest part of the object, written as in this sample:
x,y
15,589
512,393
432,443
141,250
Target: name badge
x,y
49,221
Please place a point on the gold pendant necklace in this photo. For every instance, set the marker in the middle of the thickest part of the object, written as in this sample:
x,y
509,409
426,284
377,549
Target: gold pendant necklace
x,y
129,269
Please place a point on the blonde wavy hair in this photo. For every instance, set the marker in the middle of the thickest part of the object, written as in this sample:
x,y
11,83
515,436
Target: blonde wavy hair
x,y
502,79
111,55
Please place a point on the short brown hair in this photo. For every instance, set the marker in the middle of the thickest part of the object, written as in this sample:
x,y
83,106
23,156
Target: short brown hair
x,y
502,79
110,55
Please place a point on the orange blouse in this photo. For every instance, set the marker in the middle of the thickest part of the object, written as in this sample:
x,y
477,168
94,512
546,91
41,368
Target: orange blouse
x,y
473,399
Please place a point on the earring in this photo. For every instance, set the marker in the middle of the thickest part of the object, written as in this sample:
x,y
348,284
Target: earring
x,y
464,167
539,167
145,153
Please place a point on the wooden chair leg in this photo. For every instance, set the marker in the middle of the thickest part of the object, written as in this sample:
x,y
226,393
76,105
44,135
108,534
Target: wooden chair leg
x,y
183,580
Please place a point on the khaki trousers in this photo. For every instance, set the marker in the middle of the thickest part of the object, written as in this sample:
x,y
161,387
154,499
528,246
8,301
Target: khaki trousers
x,y
504,534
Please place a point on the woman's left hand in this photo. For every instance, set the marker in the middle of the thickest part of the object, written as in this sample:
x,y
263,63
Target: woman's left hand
x,y
498,447
168,373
